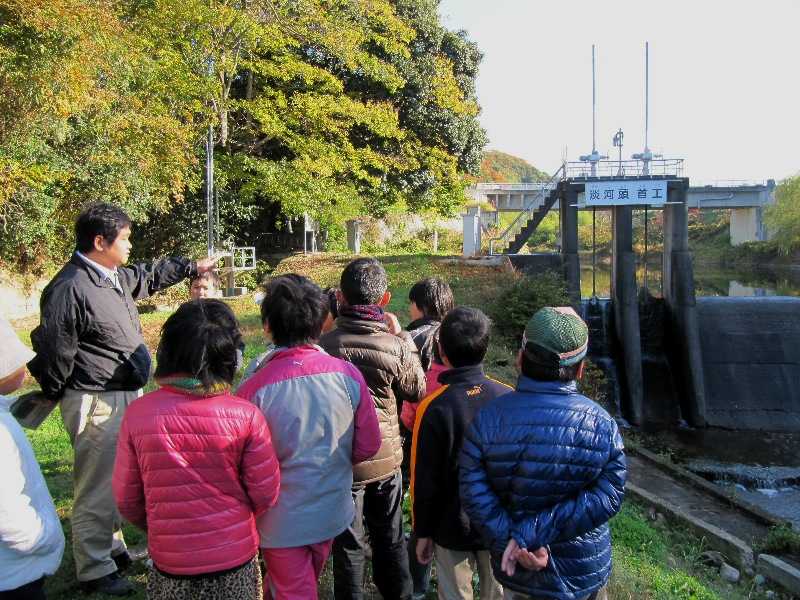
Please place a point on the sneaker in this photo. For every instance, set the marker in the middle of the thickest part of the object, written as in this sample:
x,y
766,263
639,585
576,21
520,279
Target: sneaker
x,y
112,585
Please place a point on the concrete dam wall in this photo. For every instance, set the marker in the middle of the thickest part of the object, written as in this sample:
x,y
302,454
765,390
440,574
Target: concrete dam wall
x,y
751,362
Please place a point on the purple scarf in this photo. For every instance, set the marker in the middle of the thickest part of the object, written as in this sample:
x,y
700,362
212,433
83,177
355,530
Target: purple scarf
x,y
365,312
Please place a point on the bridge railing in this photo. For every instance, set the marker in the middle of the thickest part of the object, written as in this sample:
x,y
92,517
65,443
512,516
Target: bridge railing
x,y
541,190
660,167
510,187
732,183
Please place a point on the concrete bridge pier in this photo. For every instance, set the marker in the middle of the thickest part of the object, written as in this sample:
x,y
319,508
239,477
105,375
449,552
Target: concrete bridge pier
x,y
747,225
624,298
679,296
568,207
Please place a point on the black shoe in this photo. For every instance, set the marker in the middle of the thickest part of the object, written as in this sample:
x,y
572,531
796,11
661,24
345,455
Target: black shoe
x,y
138,553
123,561
112,585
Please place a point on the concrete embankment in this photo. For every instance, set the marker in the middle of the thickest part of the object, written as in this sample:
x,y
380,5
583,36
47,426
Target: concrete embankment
x,y
729,525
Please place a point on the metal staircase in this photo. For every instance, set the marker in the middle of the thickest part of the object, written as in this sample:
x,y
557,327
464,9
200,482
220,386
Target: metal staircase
x,y
514,237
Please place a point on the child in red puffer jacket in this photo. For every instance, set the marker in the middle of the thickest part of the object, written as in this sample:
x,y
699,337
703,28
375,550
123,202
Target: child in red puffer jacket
x,y
195,464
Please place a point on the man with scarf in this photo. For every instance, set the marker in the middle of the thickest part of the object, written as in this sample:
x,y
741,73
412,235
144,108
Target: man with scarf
x,y
373,341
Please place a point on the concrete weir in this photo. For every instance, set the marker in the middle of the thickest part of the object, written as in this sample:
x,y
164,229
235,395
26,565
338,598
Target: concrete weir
x,y
731,363
751,362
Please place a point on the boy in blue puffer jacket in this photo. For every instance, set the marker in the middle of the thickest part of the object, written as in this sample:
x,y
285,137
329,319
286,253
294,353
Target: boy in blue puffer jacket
x,y
542,470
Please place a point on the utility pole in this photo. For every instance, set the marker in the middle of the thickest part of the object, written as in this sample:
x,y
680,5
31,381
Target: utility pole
x,y
594,157
646,156
210,209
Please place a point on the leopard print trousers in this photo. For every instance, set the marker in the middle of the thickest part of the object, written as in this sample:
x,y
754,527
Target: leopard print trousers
x,y
242,584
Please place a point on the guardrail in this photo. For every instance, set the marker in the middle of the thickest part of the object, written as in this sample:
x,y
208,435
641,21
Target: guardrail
x,y
661,167
239,258
510,187
732,183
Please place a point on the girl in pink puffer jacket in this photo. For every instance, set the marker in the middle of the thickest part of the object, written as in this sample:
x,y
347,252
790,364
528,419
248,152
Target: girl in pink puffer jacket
x,y
195,464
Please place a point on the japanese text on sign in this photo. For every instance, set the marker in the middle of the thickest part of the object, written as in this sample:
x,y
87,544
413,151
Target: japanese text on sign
x,y
615,193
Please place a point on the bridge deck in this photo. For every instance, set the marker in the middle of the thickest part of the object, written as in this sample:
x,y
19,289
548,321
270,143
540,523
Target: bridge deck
x,y
513,197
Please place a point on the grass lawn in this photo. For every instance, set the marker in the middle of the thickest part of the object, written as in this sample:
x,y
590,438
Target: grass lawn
x,y
652,561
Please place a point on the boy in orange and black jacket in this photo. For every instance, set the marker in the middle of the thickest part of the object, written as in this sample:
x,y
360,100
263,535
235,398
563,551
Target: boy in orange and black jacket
x,y
441,421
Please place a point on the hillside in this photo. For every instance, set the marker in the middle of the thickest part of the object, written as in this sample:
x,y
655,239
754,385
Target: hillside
x,y
501,167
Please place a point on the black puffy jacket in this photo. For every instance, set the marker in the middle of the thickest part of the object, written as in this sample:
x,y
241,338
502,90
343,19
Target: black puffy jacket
x,y
545,466
425,333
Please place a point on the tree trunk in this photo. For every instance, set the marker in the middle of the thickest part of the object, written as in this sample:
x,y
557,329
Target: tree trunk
x,y
223,125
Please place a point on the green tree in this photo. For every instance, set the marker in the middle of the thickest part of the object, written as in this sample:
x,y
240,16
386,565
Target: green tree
x,y
81,118
335,109
784,216
329,108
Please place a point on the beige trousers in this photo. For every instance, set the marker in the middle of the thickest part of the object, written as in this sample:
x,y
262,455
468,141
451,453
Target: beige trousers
x,y
601,594
92,420
454,570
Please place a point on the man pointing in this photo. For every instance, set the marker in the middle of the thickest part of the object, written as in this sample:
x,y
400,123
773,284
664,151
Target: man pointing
x,y
92,358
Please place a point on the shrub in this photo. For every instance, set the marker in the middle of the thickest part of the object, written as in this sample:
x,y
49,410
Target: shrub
x,y
523,297
781,539
254,280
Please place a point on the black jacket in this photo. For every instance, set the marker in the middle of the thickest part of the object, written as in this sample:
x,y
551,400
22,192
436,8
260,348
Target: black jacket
x,y
425,333
442,420
90,337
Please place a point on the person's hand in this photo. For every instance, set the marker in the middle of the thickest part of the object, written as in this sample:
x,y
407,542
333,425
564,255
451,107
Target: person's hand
x,y
508,564
533,561
209,263
392,323
424,550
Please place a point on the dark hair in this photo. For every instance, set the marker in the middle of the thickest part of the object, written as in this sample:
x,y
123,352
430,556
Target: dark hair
x,y
200,339
464,336
541,365
333,302
363,281
210,276
432,296
99,219
295,309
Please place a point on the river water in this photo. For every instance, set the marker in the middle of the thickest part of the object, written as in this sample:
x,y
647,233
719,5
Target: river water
x,y
710,280
757,466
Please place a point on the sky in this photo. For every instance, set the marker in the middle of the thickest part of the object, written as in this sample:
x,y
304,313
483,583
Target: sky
x,y
724,80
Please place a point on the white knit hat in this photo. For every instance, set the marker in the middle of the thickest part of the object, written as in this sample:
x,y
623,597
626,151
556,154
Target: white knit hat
x,y
13,353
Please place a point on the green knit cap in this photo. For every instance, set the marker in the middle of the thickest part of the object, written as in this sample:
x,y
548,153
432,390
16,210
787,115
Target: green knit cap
x,y
558,333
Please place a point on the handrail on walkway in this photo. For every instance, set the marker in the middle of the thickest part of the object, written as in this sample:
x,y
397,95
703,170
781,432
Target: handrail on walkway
x,y
525,214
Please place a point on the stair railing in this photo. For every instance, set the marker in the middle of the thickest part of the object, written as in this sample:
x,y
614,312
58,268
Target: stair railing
x,y
504,239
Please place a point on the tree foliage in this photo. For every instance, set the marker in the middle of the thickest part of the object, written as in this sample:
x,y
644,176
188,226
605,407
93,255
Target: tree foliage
x,y
332,108
80,119
784,216
505,168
